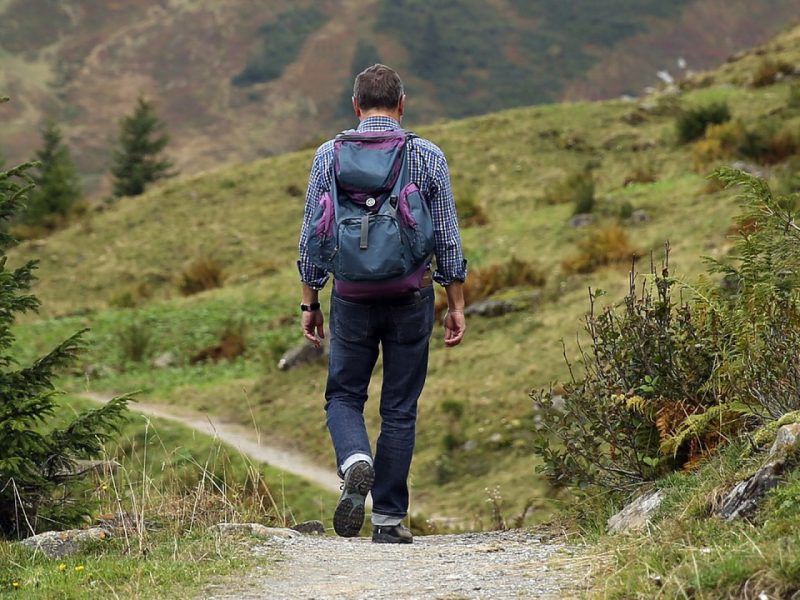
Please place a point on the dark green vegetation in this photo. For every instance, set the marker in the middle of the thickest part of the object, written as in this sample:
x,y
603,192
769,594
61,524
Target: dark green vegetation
x,y
57,190
36,457
138,156
280,42
173,485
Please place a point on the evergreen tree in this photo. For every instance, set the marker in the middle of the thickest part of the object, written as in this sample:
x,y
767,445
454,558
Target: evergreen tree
x,y
137,157
34,457
57,185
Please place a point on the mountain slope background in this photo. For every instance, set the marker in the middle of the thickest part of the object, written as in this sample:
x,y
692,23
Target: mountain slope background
x,y
238,80
118,271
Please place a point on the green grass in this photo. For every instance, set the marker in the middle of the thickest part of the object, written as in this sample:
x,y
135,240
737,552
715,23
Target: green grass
x,y
179,483
247,217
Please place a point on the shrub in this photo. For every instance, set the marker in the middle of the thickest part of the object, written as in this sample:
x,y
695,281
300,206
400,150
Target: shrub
x,y
793,101
470,211
132,296
483,282
576,188
201,275
769,143
603,246
36,457
768,72
666,382
691,124
644,171
720,142
135,341
232,343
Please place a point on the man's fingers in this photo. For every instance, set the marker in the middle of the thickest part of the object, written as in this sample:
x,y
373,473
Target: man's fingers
x,y
321,331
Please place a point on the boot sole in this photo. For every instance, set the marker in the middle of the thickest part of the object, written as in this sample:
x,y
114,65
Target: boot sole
x,y
348,519
389,539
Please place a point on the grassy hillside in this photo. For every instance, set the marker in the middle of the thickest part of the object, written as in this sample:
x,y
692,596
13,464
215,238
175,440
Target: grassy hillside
x,y
117,272
239,80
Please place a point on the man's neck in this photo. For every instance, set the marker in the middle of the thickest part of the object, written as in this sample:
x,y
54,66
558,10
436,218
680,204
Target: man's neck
x,y
380,113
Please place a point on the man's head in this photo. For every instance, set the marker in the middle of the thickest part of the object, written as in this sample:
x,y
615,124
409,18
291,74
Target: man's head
x,y
378,90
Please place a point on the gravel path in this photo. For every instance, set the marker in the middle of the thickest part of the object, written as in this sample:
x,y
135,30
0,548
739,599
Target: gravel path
x,y
474,566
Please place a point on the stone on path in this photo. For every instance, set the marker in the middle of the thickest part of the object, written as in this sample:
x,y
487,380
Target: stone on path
x,y
303,354
57,544
309,528
258,530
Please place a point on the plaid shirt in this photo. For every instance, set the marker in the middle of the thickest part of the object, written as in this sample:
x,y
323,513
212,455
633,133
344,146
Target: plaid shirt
x,y
428,169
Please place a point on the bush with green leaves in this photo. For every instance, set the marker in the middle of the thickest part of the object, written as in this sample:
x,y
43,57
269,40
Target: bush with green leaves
x,y
691,123
665,382
36,460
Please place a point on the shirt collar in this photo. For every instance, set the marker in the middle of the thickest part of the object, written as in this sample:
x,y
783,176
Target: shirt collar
x,y
378,123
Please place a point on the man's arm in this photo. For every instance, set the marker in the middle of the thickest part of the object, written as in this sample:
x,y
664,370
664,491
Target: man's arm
x,y
312,278
451,268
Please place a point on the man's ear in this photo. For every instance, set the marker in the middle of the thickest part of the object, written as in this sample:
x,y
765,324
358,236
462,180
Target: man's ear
x,y
356,108
401,106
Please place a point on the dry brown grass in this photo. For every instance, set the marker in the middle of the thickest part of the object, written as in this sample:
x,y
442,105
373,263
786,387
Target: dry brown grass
x,y
603,246
201,275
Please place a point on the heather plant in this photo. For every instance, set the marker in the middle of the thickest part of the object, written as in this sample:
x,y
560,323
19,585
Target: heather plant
x,y
692,123
36,460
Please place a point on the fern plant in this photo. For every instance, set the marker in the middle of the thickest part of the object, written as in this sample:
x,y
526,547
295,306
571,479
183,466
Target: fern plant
x,y
35,491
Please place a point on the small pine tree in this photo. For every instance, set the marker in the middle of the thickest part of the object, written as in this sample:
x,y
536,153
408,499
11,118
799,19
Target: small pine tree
x,y
57,185
137,157
34,458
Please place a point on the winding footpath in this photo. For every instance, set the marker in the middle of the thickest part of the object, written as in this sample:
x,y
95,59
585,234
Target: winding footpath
x,y
469,566
240,438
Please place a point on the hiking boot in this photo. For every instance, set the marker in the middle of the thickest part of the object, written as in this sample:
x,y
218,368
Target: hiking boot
x,y
349,515
391,534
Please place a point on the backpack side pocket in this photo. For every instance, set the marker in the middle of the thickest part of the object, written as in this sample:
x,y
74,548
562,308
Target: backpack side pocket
x,y
415,215
321,243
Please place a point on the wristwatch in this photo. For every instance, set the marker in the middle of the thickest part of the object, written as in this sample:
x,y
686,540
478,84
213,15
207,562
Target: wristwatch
x,y
309,307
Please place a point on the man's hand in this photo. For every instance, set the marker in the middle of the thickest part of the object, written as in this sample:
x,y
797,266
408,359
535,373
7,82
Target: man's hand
x,y
454,327
314,326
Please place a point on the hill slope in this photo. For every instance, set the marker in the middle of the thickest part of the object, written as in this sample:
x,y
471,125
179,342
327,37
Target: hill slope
x,y
476,422
238,80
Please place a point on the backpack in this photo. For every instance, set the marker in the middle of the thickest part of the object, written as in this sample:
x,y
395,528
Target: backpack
x,y
373,231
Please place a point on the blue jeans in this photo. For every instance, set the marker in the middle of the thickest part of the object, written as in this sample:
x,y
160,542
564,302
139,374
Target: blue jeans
x,y
403,330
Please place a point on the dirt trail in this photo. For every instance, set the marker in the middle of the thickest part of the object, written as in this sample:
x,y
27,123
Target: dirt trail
x,y
241,438
471,566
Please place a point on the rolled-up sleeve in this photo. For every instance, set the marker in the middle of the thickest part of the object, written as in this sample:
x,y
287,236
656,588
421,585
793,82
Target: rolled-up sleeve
x,y
310,274
450,263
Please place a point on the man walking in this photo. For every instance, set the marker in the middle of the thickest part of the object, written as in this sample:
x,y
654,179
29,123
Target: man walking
x,y
399,319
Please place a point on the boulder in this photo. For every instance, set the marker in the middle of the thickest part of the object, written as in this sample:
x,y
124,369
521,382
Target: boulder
x,y
581,220
258,530
165,361
636,515
745,495
490,308
309,528
303,354
57,544
786,441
